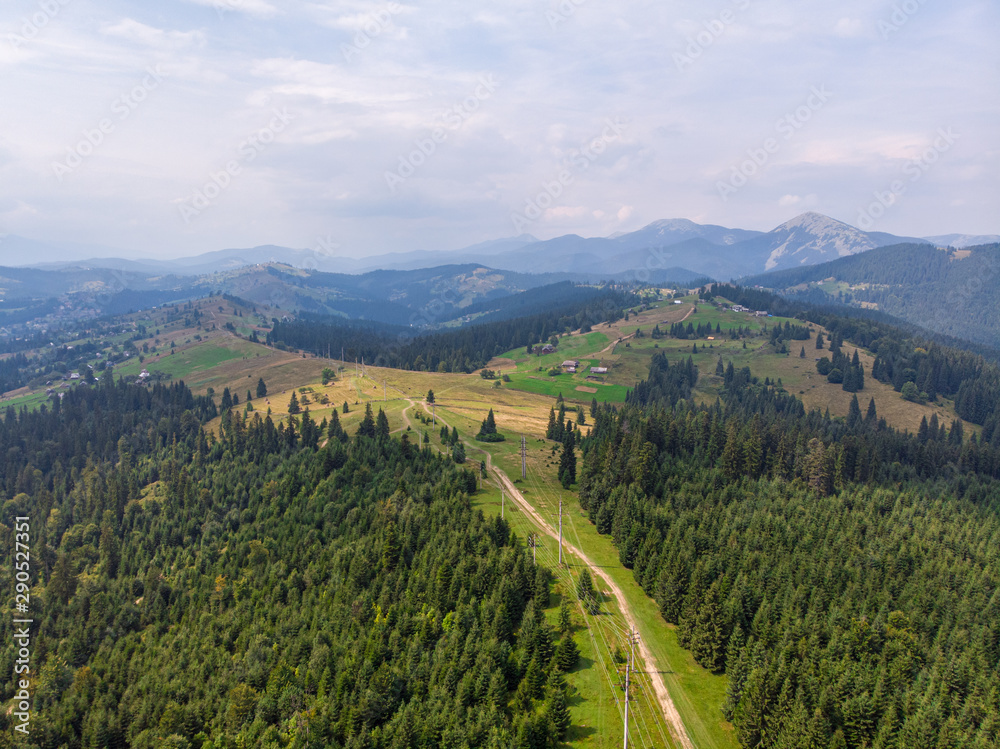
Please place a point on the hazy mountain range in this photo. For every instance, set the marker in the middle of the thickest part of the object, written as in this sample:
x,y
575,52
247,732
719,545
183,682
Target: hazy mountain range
x,y
671,249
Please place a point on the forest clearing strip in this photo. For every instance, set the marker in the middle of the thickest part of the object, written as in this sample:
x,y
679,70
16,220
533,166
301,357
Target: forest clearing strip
x,y
670,713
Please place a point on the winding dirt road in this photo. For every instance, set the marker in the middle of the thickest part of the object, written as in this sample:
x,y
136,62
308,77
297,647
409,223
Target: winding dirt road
x,y
670,714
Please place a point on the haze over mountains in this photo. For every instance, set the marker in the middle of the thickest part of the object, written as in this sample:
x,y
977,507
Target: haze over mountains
x,y
670,249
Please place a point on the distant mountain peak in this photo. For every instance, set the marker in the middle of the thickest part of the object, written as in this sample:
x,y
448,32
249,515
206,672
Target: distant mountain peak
x,y
811,234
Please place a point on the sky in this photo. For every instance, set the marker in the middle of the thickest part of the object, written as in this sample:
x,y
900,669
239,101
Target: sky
x,y
182,126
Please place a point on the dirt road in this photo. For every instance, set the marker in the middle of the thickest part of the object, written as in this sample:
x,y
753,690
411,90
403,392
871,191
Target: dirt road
x,y
670,713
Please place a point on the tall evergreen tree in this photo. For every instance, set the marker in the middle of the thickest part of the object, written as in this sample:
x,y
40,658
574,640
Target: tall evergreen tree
x,y
367,426
382,426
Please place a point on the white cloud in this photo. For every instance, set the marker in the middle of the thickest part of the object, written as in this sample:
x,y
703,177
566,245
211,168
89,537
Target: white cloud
x,y
852,27
557,86
258,8
149,36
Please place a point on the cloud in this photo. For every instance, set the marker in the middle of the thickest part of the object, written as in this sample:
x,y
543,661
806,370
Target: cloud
x,y
149,36
557,87
852,27
258,8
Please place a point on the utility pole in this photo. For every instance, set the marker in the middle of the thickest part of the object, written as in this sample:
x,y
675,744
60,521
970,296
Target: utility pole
x,y
434,412
560,532
501,502
533,537
524,458
633,638
383,392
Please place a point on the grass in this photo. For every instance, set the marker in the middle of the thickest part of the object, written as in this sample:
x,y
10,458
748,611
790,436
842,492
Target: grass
x,y
597,702
697,693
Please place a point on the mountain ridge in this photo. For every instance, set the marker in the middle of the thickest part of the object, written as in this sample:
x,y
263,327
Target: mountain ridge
x,y
707,249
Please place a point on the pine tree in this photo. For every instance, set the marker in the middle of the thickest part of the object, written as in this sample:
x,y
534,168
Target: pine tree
x,y
334,429
550,430
567,460
802,353
261,388
871,417
565,617
708,639
293,405
430,396
854,413
819,340
382,426
593,407
558,712
367,426
567,653
586,592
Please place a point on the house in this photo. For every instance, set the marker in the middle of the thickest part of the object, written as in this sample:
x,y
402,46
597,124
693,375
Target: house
x,y
548,348
144,374
598,370
678,301
761,313
75,376
571,363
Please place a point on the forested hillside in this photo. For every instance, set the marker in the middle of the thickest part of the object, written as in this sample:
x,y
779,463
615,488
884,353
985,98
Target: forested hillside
x,y
953,292
260,590
905,356
843,575
462,350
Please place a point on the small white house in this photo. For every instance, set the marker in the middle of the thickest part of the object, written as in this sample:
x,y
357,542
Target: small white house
x,y
598,370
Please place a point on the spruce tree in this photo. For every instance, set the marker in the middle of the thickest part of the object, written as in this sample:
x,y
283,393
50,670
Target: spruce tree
x,y
586,592
367,426
261,388
567,460
382,426
293,405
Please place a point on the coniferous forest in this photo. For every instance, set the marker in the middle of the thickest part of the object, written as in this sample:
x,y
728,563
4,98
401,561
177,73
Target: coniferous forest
x,y
843,575
257,590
